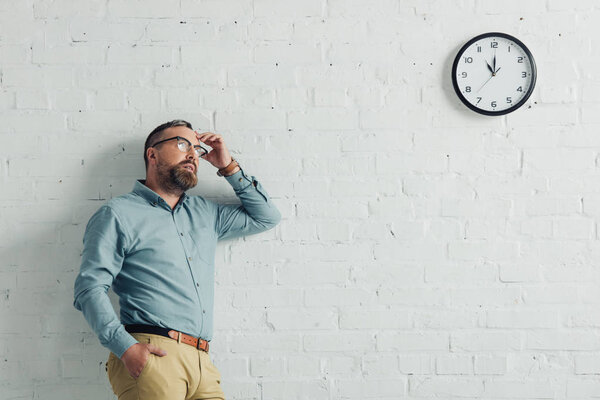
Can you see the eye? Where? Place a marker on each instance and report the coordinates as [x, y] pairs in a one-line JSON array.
[[182, 146]]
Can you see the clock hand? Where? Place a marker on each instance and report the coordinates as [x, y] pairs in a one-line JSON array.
[[490, 67], [485, 83], [495, 62]]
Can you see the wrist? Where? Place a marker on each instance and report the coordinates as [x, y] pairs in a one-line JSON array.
[[235, 170], [226, 165], [230, 169]]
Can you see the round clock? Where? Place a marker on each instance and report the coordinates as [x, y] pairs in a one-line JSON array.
[[494, 73]]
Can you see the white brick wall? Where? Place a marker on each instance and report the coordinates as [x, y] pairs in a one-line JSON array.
[[426, 252]]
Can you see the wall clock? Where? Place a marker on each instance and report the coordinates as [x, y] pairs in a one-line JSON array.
[[494, 73]]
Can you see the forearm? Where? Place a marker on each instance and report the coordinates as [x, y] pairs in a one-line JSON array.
[[254, 199], [100, 315]]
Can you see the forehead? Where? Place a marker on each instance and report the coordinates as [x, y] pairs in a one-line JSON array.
[[182, 131]]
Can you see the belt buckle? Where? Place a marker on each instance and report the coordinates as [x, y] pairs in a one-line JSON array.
[[203, 348]]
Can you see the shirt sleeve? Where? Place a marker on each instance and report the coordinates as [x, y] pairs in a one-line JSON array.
[[104, 249], [256, 214]]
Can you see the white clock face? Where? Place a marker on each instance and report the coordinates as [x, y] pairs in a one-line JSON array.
[[494, 74]]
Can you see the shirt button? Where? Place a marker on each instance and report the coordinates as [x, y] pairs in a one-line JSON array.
[[190, 258], [197, 285], [181, 233], [240, 179], [203, 311]]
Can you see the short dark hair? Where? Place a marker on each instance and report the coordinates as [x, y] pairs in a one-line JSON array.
[[155, 135]]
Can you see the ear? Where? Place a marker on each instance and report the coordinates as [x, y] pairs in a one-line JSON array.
[[151, 154]]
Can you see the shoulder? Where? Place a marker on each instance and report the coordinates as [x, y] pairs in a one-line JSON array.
[[116, 209], [123, 203]]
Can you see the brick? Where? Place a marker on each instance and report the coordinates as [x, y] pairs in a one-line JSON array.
[[256, 343], [454, 365], [310, 388], [376, 388], [141, 9], [587, 365], [446, 386], [520, 389], [486, 341], [374, 318], [525, 319], [412, 341], [273, 8], [286, 53], [214, 9], [564, 340], [74, 53], [266, 367], [226, 53], [338, 342], [490, 365]]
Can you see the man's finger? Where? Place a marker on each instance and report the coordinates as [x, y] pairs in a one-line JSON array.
[[156, 350]]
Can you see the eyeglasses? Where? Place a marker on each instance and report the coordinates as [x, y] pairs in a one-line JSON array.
[[184, 145]]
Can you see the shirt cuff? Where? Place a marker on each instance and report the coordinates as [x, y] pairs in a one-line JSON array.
[[239, 180], [121, 342]]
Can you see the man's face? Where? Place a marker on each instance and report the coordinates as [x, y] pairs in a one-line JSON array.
[[176, 170]]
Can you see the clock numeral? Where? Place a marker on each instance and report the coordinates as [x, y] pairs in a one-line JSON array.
[[468, 60], [479, 49], [509, 100], [523, 74], [468, 89], [464, 74], [520, 89], [478, 100], [520, 59], [509, 49], [493, 104], [494, 45]]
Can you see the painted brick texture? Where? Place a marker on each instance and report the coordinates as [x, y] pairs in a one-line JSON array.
[[425, 251]]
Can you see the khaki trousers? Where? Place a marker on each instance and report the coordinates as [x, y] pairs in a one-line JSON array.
[[185, 373]]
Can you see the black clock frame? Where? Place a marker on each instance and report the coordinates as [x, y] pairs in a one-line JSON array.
[[483, 36]]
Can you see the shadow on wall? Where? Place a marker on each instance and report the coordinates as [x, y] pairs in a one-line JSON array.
[[40, 259]]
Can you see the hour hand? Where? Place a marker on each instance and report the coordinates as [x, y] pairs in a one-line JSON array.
[[490, 67]]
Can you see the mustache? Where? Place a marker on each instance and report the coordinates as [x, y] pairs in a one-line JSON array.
[[183, 164]]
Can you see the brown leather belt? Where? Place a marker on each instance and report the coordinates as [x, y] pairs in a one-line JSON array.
[[181, 337]]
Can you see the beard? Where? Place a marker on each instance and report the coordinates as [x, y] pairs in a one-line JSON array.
[[176, 178]]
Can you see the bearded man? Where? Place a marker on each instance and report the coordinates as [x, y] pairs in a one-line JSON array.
[[155, 246]]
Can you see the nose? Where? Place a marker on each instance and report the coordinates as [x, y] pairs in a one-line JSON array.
[[192, 156]]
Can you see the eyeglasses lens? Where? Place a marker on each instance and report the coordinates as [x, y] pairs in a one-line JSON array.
[[185, 147]]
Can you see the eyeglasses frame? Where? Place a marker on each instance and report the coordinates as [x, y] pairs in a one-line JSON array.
[[182, 138]]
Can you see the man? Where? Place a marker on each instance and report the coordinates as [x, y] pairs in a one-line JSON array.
[[156, 246]]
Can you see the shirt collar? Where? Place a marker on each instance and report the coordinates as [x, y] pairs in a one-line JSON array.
[[151, 196]]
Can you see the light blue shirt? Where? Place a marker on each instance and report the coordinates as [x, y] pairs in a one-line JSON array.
[[160, 262]]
